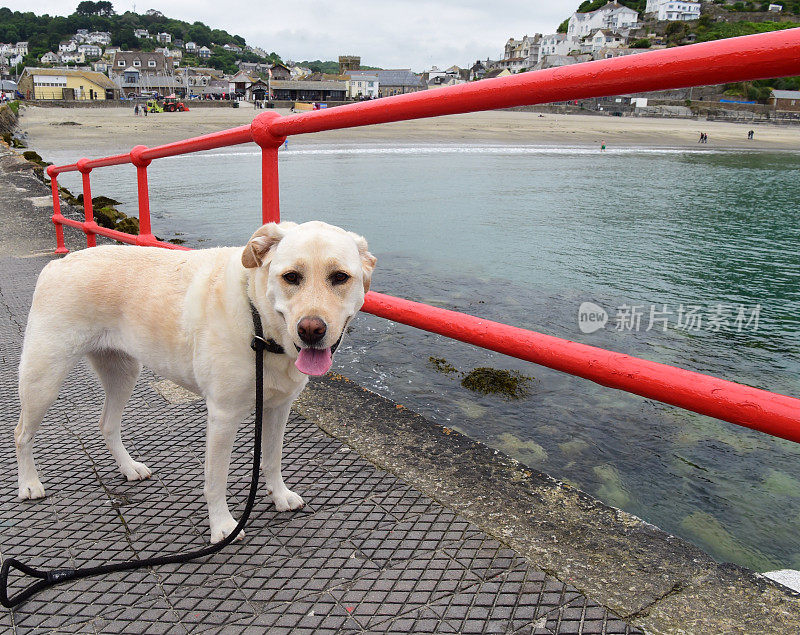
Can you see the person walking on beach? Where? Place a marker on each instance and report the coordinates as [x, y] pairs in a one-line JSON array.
[[602, 146], [144, 108], [751, 134], [136, 110]]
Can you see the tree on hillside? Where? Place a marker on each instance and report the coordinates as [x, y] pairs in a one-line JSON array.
[[95, 8], [125, 39]]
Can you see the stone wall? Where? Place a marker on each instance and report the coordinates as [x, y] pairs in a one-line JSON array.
[[8, 120]]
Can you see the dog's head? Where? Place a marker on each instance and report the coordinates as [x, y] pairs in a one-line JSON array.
[[316, 276]]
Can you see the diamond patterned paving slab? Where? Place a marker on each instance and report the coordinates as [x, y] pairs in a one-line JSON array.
[[368, 553]]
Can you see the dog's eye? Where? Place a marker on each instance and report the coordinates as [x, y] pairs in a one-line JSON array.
[[292, 277], [340, 277]]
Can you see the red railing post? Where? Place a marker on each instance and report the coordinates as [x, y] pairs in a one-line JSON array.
[[89, 225], [145, 230], [58, 217], [270, 184]]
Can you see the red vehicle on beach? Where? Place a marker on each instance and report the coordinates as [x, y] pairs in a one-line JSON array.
[[171, 104]]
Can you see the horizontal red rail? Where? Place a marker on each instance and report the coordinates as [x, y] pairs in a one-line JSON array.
[[768, 412], [746, 58]]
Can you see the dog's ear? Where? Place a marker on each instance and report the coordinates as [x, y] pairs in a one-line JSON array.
[[260, 243], [367, 259]]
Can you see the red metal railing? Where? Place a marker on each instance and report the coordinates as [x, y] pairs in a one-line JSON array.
[[747, 58]]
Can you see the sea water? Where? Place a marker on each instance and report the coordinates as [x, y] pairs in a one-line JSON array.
[[693, 256]]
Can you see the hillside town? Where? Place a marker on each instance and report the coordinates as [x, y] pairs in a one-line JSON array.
[[87, 66]]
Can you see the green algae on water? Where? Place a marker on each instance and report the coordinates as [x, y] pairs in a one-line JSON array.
[[487, 381], [441, 365]]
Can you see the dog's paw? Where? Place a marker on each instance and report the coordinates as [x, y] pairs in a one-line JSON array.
[[285, 500], [224, 529], [135, 471], [31, 490]]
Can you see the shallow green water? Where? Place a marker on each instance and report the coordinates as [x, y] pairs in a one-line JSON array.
[[524, 235]]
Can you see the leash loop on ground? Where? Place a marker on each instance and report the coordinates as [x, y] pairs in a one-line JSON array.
[[56, 576]]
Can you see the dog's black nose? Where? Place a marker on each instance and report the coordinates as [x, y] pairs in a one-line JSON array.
[[311, 330]]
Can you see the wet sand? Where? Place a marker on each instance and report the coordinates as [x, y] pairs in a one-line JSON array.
[[102, 131]]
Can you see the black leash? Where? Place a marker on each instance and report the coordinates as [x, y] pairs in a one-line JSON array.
[[55, 576]]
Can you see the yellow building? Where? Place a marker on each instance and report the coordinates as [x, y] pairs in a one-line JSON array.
[[59, 83]]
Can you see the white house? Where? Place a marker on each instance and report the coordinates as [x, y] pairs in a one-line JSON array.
[[204, 52], [602, 40], [613, 16], [521, 54], [362, 86], [673, 10], [558, 44], [67, 46], [775, 8], [256, 50], [190, 47], [99, 37], [49, 58], [90, 50], [142, 34], [21, 48], [298, 72], [232, 48], [73, 56], [448, 77], [164, 38]]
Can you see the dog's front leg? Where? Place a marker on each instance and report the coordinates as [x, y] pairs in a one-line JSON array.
[[222, 426], [271, 451]]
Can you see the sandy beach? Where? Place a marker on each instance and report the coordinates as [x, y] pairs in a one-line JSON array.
[[93, 132]]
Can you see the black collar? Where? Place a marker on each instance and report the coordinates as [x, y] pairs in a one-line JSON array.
[[259, 343]]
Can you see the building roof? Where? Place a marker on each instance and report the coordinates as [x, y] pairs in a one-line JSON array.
[[142, 55], [93, 76], [495, 72], [393, 77], [242, 76], [786, 94]]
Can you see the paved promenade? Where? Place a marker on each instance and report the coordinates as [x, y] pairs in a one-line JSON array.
[[368, 553]]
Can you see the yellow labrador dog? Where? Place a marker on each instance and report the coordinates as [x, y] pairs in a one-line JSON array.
[[187, 316]]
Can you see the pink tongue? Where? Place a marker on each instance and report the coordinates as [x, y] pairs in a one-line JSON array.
[[314, 361]]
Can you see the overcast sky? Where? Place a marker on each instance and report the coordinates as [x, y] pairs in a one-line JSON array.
[[398, 34]]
